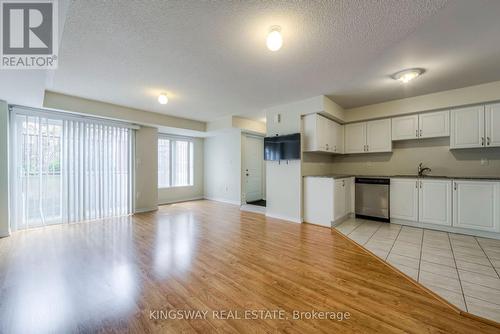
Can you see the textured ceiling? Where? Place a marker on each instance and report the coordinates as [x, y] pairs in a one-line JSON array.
[[210, 56]]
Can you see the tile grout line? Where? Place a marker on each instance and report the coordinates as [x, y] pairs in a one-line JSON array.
[[489, 260], [371, 236], [394, 242], [354, 229], [458, 274], [420, 257]]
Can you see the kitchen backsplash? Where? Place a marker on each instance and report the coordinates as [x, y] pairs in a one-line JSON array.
[[406, 155]]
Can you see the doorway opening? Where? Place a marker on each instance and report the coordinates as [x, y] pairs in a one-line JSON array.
[[253, 171]]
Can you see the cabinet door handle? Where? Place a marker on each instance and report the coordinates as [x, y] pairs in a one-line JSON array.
[[488, 141], [416, 184], [454, 186], [367, 148], [416, 133], [482, 141], [420, 132], [420, 184]]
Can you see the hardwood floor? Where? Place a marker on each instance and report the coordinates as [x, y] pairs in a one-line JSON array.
[[116, 275]]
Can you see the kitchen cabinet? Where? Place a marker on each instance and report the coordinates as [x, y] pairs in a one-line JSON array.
[[355, 138], [492, 125], [405, 127], [425, 125], [434, 124], [476, 205], [322, 134], [368, 137], [467, 127], [404, 199], [327, 200], [434, 201], [340, 199]]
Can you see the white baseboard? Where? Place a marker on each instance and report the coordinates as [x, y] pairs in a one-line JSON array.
[[223, 200], [452, 229], [182, 200], [290, 219], [145, 210], [253, 208]]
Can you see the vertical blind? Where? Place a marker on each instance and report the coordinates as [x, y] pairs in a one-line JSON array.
[[175, 162], [69, 169]]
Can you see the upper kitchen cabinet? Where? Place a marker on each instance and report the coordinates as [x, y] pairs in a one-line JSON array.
[[467, 127], [425, 125], [322, 134], [492, 125], [368, 137], [405, 127], [434, 124], [355, 138], [378, 136]]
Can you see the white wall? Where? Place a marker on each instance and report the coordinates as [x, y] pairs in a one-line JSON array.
[[178, 194], [284, 180], [146, 174], [441, 100], [223, 166], [109, 110], [4, 169]]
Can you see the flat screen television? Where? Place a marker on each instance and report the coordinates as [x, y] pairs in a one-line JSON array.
[[282, 147]]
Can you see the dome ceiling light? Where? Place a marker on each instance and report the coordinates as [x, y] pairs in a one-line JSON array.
[[407, 75]]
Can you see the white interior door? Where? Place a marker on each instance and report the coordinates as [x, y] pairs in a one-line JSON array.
[[253, 171]]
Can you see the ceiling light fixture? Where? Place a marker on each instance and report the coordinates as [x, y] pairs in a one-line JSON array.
[[274, 39], [408, 75], [162, 98]]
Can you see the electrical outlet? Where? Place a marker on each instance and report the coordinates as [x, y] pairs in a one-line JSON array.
[[484, 162]]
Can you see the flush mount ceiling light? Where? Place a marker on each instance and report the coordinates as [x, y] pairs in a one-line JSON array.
[[162, 98], [408, 75], [274, 40]]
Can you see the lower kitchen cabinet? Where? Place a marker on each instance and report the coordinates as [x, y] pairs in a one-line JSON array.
[[404, 199], [476, 205], [434, 201], [327, 200]]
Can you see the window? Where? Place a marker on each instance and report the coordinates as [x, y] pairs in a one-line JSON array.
[[68, 169], [175, 162]]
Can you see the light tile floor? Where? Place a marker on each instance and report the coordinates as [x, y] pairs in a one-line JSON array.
[[463, 269]]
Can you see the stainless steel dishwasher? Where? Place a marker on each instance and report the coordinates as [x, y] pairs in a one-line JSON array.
[[372, 198]]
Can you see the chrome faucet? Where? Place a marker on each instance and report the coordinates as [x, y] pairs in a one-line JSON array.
[[423, 170]]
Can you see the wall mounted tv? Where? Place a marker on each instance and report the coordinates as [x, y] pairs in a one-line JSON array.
[[282, 147]]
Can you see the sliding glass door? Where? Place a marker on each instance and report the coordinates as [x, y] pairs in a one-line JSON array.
[[68, 169]]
